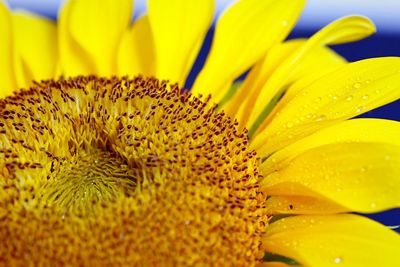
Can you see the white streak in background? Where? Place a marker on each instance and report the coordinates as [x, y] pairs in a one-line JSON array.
[[384, 13], [318, 13]]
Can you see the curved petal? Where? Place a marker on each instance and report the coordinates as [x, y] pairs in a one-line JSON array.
[[334, 240], [243, 34], [319, 59], [352, 89], [99, 45], [361, 177], [36, 48], [343, 30], [258, 75], [7, 79], [136, 51], [178, 27], [73, 59], [303, 205], [351, 131]]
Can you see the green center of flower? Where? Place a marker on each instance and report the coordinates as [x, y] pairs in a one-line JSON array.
[[87, 180]]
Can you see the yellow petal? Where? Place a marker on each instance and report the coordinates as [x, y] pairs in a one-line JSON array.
[[243, 34], [321, 58], [361, 177], [136, 51], [302, 205], [301, 83], [333, 240], [292, 91], [36, 48], [356, 130], [73, 59], [257, 77], [178, 27], [318, 60], [343, 30], [352, 89], [97, 28], [7, 79]]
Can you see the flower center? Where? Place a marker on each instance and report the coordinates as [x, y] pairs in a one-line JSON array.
[[87, 180], [133, 168]]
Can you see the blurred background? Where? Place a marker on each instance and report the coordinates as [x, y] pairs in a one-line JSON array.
[[318, 13]]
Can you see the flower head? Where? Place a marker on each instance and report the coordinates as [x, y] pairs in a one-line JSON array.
[[133, 170]]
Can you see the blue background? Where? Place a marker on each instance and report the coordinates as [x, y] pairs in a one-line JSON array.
[[385, 13]]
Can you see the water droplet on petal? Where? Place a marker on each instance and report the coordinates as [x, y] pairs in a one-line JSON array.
[[349, 98], [360, 108], [338, 260], [372, 205], [318, 99], [364, 97], [284, 23], [320, 118], [289, 125], [357, 85]]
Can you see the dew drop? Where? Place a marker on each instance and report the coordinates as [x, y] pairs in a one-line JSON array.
[[289, 125], [364, 97], [334, 97], [372, 205], [360, 108], [357, 85], [318, 99], [321, 118], [284, 23], [349, 98], [338, 260]]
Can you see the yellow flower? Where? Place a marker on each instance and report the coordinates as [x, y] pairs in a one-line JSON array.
[[132, 171]]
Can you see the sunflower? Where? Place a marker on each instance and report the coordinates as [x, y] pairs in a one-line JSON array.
[[107, 161]]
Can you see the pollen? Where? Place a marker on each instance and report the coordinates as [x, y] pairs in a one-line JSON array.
[[125, 172]]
